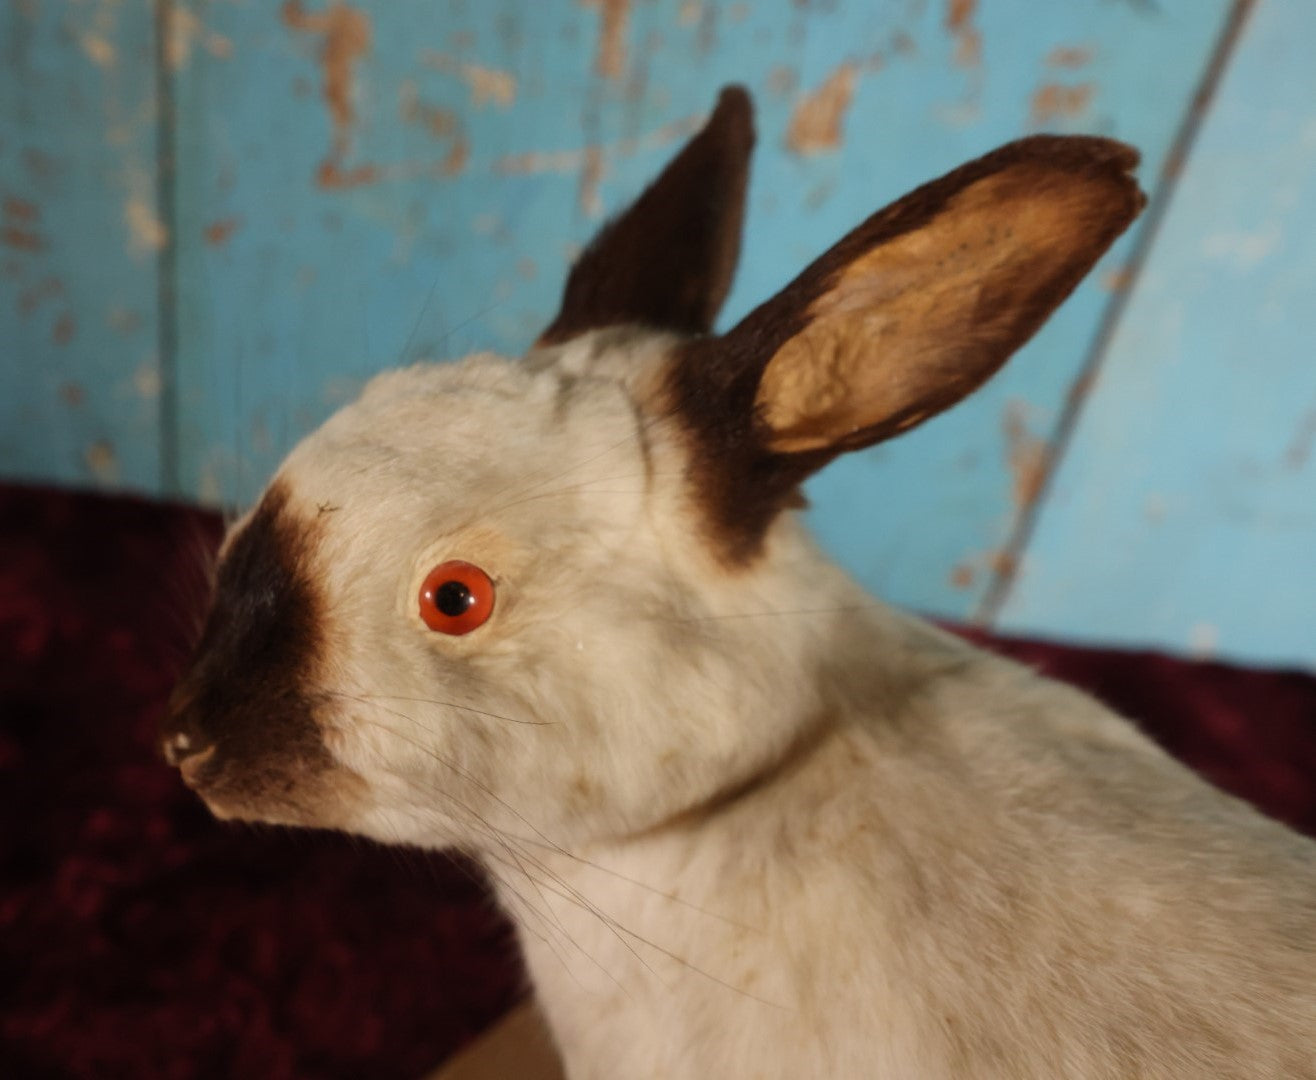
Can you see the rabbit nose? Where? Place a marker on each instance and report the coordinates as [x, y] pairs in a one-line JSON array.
[[189, 754], [180, 745], [183, 742]]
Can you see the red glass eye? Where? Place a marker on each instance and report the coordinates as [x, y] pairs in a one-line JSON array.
[[456, 598]]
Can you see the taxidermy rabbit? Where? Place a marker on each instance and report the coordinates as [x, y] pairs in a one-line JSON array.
[[558, 612]]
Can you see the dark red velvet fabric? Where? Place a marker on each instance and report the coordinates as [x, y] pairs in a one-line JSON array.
[[140, 938]]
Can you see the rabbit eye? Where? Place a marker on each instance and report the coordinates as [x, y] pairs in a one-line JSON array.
[[456, 598]]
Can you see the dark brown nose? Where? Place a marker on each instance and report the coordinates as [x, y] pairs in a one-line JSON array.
[[185, 747], [182, 740], [179, 745]]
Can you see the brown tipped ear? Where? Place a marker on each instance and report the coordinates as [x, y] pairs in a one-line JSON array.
[[667, 262], [904, 317]]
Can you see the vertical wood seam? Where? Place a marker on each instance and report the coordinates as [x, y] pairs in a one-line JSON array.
[[998, 592], [167, 257]]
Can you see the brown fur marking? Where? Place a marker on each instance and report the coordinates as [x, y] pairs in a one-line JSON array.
[[964, 270], [668, 261], [249, 698]]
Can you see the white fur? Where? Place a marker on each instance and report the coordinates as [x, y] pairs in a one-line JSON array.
[[750, 823]]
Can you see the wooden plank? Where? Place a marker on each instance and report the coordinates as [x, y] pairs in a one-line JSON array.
[[364, 183], [1184, 513], [79, 239]]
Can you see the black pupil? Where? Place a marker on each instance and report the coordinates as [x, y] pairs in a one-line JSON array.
[[453, 598]]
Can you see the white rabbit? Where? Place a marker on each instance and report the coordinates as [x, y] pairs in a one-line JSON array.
[[558, 612]]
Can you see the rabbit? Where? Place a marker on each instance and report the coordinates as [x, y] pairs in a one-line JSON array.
[[561, 613]]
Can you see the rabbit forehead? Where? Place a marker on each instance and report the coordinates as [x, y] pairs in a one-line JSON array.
[[533, 453], [433, 431]]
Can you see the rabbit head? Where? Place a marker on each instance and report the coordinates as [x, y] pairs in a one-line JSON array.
[[523, 594]]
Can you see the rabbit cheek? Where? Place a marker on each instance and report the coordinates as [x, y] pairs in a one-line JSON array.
[[242, 727]]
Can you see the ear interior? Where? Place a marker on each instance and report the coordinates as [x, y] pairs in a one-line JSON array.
[[919, 320], [902, 318], [668, 261]]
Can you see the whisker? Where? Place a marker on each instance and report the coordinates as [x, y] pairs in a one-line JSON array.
[[672, 956], [483, 827], [582, 901], [580, 948], [572, 894], [484, 788], [490, 830], [631, 437], [770, 612], [366, 699], [641, 885], [585, 487]]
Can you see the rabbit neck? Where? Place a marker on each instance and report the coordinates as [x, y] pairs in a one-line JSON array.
[[699, 922], [686, 916]]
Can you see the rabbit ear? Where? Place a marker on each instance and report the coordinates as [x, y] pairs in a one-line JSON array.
[[904, 317], [667, 262]]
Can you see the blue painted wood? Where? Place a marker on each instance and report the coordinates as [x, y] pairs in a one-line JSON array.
[[1184, 514], [384, 181], [363, 184], [80, 378]]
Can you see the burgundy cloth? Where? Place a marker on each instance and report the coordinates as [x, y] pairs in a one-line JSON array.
[[140, 938]]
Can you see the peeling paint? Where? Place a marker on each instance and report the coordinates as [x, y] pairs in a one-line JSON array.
[[46, 289], [569, 161], [100, 51], [17, 209], [1054, 102], [22, 239], [1117, 278], [102, 462], [486, 84], [1003, 563], [209, 488], [183, 30], [147, 382], [1203, 640], [815, 125], [18, 232], [591, 174], [967, 39], [64, 328], [614, 20], [1069, 56], [1082, 386], [217, 233], [331, 176], [96, 40], [439, 122], [40, 165], [457, 157], [1244, 249], [1026, 455], [146, 232], [346, 33], [124, 320]]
